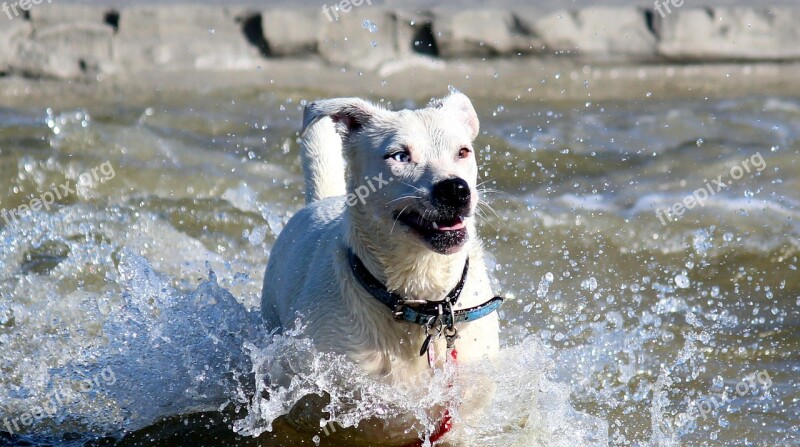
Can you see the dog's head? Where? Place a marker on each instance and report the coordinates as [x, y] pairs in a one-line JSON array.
[[412, 173]]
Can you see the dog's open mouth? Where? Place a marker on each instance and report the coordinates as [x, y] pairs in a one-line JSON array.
[[445, 235]]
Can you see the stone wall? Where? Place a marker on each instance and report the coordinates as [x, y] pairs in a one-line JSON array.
[[73, 41]]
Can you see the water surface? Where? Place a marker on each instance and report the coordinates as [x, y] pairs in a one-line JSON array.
[[621, 324]]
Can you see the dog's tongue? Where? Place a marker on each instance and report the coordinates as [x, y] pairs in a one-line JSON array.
[[455, 224]]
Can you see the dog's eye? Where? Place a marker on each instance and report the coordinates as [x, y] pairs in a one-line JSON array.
[[464, 152], [402, 157]]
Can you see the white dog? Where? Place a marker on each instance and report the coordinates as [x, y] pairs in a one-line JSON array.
[[385, 258]]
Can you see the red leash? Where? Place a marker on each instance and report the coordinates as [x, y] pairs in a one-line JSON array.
[[447, 421]]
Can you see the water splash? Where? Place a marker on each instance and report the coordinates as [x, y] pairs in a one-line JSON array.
[[369, 25]]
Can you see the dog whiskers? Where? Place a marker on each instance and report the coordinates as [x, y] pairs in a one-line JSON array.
[[397, 218], [403, 198], [482, 203], [480, 214], [420, 190], [486, 204]]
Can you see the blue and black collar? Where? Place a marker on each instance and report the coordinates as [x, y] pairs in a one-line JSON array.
[[429, 314]]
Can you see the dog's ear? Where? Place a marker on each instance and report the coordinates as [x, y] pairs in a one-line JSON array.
[[348, 114], [459, 104]]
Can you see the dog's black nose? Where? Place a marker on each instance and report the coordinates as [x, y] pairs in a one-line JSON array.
[[452, 194]]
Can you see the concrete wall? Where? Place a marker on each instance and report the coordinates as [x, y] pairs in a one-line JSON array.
[[64, 40]]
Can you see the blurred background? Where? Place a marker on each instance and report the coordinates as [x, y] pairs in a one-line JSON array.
[[149, 159]]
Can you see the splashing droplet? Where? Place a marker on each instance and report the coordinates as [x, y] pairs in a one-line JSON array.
[[589, 284], [682, 281], [369, 26]]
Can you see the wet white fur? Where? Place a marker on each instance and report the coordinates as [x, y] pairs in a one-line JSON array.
[[308, 276]]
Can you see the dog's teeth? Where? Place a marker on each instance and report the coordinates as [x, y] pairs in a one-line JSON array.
[[435, 227]]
